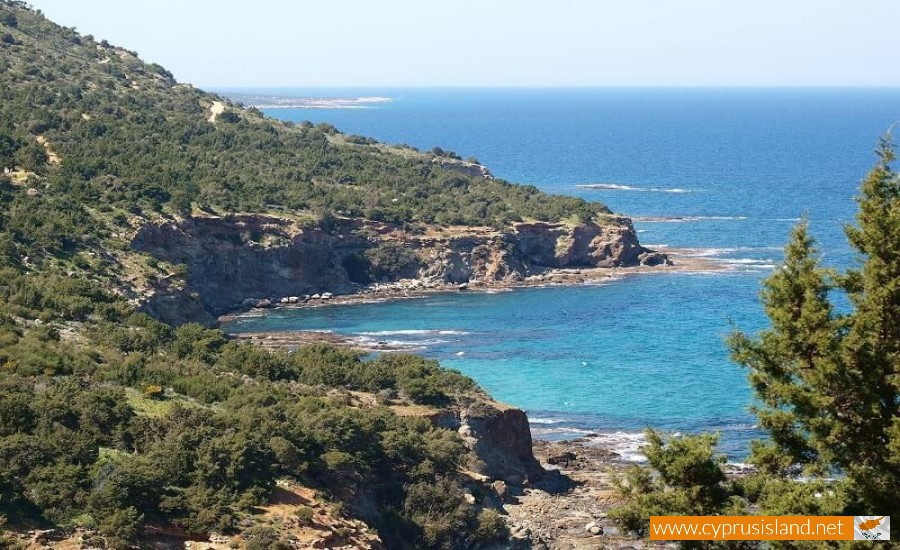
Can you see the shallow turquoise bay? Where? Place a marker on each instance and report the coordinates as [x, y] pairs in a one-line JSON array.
[[734, 169]]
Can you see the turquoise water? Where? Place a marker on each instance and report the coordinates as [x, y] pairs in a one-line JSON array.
[[724, 171]]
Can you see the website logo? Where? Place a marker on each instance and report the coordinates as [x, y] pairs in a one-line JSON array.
[[871, 528]]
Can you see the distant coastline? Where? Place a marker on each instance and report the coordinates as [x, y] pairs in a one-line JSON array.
[[285, 102]]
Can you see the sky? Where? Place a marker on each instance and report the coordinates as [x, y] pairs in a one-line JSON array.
[[368, 43]]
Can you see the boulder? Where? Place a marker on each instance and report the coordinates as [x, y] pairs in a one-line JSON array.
[[501, 489], [49, 535], [562, 459]]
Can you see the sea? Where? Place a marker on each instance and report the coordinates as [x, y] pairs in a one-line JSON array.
[[724, 172]]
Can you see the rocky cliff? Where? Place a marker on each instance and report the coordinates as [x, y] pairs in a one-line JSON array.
[[501, 440], [238, 261]]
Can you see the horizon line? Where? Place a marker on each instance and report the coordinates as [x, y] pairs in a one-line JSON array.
[[556, 86]]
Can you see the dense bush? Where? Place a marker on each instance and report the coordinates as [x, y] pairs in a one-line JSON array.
[[144, 423]]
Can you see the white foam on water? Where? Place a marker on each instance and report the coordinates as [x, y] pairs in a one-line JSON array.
[[707, 252], [625, 444], [415, 332], [685, 219], [562, 430], [745, 261], [405, 343], [539, 420], [621, 187]]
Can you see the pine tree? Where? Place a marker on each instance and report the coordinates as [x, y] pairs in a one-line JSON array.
[[867, 444], [790, 363], [828, 384]]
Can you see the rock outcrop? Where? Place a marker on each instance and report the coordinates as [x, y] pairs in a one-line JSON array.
[[241, 261], [462, 167], [613, 244], [502, 442], [499, 437]]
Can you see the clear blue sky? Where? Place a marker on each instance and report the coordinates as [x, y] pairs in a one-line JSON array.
[[503, 42]]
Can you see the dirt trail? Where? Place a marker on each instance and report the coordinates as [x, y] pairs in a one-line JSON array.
[[52, 157], [216, 109]]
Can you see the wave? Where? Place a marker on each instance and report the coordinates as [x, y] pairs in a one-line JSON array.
[[745, 261], [539, 420], [414, 332], [720, 251], [684, 219], [752, 264], [403, 343], [714, 252], [561, 432], [625, 444], [619, 187], [406, 346]]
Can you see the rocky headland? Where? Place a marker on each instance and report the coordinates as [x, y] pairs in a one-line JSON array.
[[238, 262]]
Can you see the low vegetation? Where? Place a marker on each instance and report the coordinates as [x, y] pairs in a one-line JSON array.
[[127, 421], [113, 421]]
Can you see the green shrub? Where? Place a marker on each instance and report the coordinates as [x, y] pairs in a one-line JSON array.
[[490, 527], [121, 527], [305, 515], [690, 482]]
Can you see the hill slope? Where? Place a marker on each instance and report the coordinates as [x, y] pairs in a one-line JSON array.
[[98, 145], [123, 191]]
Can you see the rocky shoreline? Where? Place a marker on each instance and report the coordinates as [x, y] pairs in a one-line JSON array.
[[570, 511], [681, 261], [568, 507], [221, 264]]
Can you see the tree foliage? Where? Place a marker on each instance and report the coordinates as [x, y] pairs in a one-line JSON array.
[[691, 482], [829, 381]]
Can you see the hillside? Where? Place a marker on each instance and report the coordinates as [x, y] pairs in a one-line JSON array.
[[130, 206], [97, 145]]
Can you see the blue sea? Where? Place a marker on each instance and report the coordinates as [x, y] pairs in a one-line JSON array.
[[726, 172]]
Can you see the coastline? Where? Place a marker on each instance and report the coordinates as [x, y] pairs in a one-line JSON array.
[[571, 510], [683, 260], [569, 507]]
